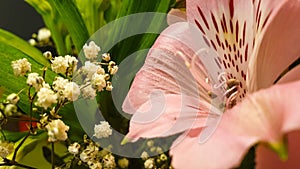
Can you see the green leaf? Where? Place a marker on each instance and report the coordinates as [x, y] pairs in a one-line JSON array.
[[52, 21], [29, 144], [12, 83], [14, 136], [23, 46], [73, 21]]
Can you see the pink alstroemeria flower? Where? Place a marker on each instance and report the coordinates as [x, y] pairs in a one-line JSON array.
[[226, 61]]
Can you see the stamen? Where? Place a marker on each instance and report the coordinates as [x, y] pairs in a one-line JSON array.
[[228, 89]]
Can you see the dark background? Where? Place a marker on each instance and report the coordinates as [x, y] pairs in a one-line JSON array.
[[19, 18]]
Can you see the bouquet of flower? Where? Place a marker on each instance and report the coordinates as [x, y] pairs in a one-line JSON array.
[[153, 84]]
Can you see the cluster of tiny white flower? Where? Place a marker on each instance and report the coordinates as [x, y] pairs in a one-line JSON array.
[[63, 89], [65, 65], [21, 67], [96, 77], [6, 148], [102, 130], [57, 130], [157, 160], [95, 157]]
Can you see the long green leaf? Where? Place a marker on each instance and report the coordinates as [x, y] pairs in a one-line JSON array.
[[22, 45], [72, 19], [52, 21]]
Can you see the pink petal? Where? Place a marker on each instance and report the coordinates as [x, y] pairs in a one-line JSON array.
[[176, 15], [171, 87], [266, 158], [291, 75], [166, 115], [228, 26], [264, 116], [277, 46], [167, 68]]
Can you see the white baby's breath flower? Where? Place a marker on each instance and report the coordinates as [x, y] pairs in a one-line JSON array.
[[109, 161], [71, 91], [123, 163], [149, 164], [46, 97], [98, 81], [90, 69], [59, 64], [21, 67], [113, 70], [109, 86], [32, 42], [57, 131], [35, 80], [88, 92], [91, 50], [106, 57], [100, 71], [102, 130], [47, 55], [43, 34], [95, 165], [74, 148], [10, 109], [13, 98], [6, 148], [89, 153], [144, 155], [72, 61], [59, 84]]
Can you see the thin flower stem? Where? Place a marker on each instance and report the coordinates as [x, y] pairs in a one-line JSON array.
[[3, 135], [52, 155], [30, 121], [8, 162], [18, 147]]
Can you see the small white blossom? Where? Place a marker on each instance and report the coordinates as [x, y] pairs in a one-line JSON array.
[[74, 148], [21, 67], [109, 161], [88, 92], [91, 50], [106, 57], [59, 84], [112, 67], [13, 98], [99, 81], [44, 34], [95, 165], [144, 155], [46, 97], [149, 164], [71, 91], [35, 80], [89, 153], [90, 69], [47, 55], [109, 86], [100, 71], [72, 61], [32, 42], [6, 148], [102, 130], [59, 64], [113, 70], [57, 131], [10, 109], [123, 163]]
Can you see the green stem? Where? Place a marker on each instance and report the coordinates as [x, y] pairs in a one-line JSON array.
[[3, 134], [52, 155], [18, 147]]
